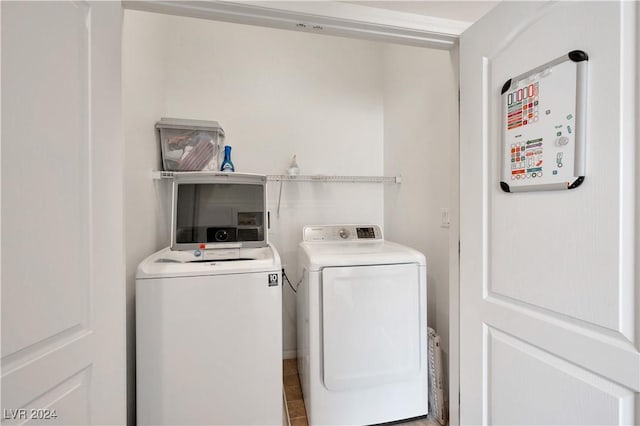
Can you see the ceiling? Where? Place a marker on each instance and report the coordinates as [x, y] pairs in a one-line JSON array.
[[468, 11]]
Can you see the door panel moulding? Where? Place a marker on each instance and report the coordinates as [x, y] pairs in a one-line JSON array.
[[328, 18]]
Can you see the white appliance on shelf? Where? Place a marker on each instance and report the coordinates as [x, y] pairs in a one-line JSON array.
[[209, 319], [362, 327]]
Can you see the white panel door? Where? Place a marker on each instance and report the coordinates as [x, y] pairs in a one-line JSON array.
[[549, 324], [63, 354]]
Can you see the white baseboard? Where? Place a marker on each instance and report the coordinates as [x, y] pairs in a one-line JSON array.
[[286, 420], [289, 354]]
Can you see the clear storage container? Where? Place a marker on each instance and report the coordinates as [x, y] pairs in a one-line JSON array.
[[190, 145]]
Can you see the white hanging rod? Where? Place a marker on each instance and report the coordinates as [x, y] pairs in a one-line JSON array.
[[334, 178]]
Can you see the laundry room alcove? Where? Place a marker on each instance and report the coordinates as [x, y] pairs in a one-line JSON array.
[[346, 107]]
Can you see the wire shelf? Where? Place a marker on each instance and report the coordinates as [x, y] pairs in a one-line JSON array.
[[299, 178], [334, 178]]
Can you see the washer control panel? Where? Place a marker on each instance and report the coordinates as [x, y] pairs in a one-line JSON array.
[[342, 233]]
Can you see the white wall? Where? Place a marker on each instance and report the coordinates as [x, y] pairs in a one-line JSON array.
[[279, 93], [146, 219], [420, 128]]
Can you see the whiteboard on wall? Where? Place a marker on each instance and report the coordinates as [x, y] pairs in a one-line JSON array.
[[543, 126]]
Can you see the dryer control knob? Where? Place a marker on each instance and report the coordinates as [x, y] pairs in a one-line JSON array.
[[344, 233]]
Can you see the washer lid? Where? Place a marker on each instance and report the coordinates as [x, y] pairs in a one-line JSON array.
[[173, 264], [318, 255]]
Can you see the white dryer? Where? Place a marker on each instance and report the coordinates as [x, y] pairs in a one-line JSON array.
[[362, 327]]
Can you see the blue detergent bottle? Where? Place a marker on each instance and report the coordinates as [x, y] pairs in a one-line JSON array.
[[227, 165]]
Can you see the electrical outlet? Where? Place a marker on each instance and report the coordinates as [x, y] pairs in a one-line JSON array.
[[445, 221]]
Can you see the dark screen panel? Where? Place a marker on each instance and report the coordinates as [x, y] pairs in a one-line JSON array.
[[219, 212]]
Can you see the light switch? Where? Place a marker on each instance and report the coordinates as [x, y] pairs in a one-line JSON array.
[[445, 221]]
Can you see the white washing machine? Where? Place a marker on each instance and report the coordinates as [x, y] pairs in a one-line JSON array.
[[362, 327], [209, 310], [209, 339]]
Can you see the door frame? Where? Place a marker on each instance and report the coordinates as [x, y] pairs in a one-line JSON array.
[[360, 22], [326, 17]]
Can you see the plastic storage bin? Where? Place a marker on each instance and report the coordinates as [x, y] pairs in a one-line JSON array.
[[190, 145]]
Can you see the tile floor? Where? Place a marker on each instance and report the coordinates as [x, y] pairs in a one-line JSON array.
[[295, 403], [293, 393]]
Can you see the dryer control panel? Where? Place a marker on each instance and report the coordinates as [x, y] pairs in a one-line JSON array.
[[342, 233]]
